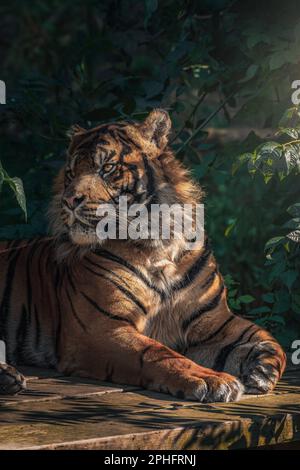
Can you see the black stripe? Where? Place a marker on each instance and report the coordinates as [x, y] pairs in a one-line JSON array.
[[123, 289], [104, 312], [187, 279], [28, 275], [265, 375], [37, 329], [212, 304], [13, 248], [195, 269], [221, 358], [212, 335], [79, 321], [126, 150], [253, 334], [259, 353], [6, 299], [209, 280], [215, 333], [116, 259], [40, 260], [125, 139], [57, 327], [21, 334], [102, 142], [109, 271], [69, 277], [142, 354]]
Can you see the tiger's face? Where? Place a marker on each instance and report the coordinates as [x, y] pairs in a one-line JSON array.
[[103, 164]]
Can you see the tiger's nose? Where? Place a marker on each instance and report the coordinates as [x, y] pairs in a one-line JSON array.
[[72, 202]]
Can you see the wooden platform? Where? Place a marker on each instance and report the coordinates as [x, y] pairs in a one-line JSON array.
[[68, 413]]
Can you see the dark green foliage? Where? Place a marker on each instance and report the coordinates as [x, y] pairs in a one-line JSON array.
[[214, 64]]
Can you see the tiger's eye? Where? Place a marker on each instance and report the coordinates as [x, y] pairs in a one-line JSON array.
[[107, 169]]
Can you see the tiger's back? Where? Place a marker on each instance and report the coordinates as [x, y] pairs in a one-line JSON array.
[[28, 307]]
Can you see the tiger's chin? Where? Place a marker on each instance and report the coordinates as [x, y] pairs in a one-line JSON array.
[[83, 237], [73, 244]]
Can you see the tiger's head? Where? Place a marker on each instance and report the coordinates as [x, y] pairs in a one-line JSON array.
[[113, 160]]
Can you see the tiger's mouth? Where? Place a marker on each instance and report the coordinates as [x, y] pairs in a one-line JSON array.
[[81, 229], [78, 217], [82, 234]]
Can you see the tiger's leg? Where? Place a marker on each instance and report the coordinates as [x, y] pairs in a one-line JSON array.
[[11, 381], [131, 358], [245, 350]]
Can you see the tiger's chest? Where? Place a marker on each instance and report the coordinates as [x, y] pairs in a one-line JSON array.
[[164, 320]]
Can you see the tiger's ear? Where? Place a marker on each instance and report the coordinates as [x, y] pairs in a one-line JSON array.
[[74, 134], [75, 130], [156, 128]]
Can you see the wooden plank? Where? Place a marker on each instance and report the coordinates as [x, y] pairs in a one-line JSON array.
[[290, 382], [35, 373], [61, 387], [144, 420], [227, 435]]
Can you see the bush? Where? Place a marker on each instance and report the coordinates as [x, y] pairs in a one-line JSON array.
[[212, 64]]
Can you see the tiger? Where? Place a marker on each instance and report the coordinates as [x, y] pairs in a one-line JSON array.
[[145, 313]]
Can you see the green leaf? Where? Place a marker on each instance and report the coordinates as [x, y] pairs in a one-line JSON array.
[[241, 160], [17, 186], [246, 299], [273, 242], [291, 132], [232, 293], [229, 281], [268, 160], [294, 210], [235, 304], [293, 223], [267, 178], [288, 115], [292, 157], [258, 310], [277, 319], [230, 228], [251, 72]]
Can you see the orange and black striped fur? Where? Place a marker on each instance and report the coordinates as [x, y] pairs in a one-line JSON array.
[[151, 314]]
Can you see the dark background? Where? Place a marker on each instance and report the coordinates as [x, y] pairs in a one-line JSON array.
[[223, 69]]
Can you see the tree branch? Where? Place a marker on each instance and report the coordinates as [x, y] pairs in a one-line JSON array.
[[199, 128]]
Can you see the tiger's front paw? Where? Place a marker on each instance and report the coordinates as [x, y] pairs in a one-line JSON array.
[[11, 381], [222, 388], [263, 369], [259, 381]]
